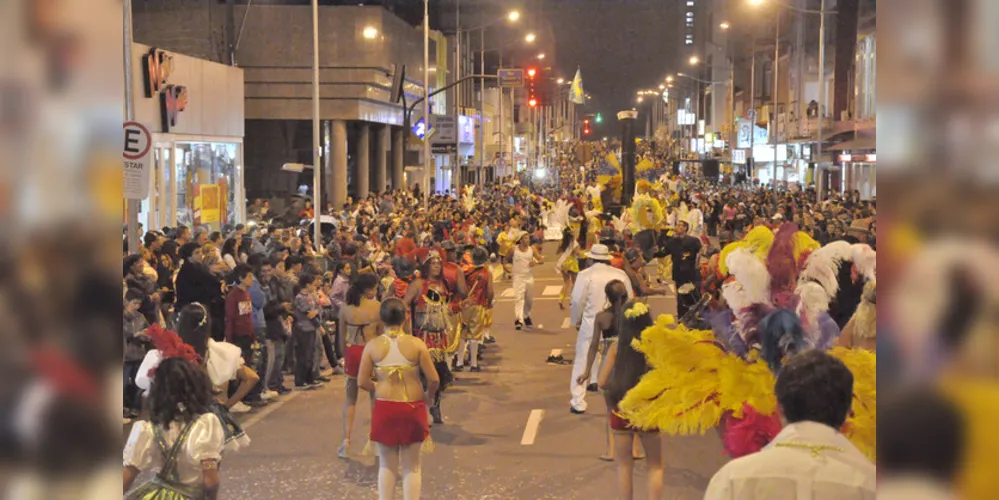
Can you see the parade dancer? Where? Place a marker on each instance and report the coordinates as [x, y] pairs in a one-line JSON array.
[[399, 424], [476, 310], [567, 264], [522, 259], [588, 300], [428, 298], [359, 323]]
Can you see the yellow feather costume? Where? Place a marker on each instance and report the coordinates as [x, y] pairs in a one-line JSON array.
[[693, 382]]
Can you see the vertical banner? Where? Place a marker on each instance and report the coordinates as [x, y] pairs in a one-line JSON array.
[[211, 203]]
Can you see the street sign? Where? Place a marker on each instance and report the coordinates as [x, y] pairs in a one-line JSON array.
[[447, 129], [509, 78], [443, 149], [136, 158]]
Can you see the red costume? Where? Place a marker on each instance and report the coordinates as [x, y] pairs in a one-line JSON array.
[[395, 423]]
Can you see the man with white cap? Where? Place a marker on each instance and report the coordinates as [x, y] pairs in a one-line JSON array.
[[588, 299]]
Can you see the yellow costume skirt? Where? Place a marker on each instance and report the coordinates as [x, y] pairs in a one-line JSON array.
[[475, 320]]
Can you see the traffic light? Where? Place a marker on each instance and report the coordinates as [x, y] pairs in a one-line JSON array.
[[586, 131], [532, 97], [599, 118]]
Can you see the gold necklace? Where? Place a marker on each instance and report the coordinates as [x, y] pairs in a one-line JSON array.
[[814, 448], [395, 332]]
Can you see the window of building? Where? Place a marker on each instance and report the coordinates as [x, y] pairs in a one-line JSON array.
[[690, 42], [690, 3]]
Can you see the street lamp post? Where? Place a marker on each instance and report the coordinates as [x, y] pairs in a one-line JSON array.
[[426, 103]]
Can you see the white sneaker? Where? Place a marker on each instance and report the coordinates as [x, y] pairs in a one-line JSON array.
[[268, 395], [239, 408], [342, 450]]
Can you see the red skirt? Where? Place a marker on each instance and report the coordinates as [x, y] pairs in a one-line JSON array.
[[618, 423], [436, 341], [352, 360], [395, 423]]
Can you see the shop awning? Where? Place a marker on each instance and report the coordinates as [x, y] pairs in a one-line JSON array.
[[858, 144]]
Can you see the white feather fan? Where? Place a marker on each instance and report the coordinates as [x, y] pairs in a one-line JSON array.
[[752, 275]]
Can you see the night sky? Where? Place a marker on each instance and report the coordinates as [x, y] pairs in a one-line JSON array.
[[621, 46]]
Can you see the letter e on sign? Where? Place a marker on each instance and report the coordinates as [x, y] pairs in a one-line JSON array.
[[136, 159]]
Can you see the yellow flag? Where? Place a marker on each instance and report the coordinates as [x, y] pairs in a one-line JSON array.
[[576, 94]]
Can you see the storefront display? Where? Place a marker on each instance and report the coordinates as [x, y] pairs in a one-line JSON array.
[[194, 109]]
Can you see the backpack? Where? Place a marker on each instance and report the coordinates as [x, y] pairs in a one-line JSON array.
[[166, 485]]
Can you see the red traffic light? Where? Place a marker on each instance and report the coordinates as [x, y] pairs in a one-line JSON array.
[[531, 72], [586, 131], [532, 102]]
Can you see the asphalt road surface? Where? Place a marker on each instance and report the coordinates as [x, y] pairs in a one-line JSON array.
[[489, 448]]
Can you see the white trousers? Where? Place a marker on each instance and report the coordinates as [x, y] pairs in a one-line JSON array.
[[578, 391], [523, 296]]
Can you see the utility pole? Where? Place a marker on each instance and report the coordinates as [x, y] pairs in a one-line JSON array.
[[482, 108], [819, 172], [456, 169], [317, 199], [427, 164], [132, 233], [776, 121]]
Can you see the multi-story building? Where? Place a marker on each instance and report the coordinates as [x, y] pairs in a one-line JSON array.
[[759, 88], [362, 137]]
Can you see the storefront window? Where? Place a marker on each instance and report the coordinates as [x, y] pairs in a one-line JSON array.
[[207, 183]]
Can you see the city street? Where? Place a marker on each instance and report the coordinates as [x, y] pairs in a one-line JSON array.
[[488, 447]]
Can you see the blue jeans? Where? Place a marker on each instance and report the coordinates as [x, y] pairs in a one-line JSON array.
[[277, 349]]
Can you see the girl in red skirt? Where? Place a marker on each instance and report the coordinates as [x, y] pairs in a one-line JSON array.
[[622, 370], [390, 368], [358, 323]]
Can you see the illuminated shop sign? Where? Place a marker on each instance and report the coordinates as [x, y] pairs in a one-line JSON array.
[[157, 66]]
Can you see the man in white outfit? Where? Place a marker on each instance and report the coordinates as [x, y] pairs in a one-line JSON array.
[[523, 258], [588, 299]]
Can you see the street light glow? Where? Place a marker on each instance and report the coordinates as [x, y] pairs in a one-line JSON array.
[[662, 87], [541, 55], [560, 81], [370, 32], [513, 16], [530, 38], [694, 60], [725, 25], [756, 2], [640, 99], [669, 79]]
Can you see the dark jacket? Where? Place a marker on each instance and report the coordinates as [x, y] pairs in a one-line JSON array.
[[195, 283]]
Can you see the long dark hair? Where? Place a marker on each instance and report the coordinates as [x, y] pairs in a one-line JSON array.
[[629, 365], [361, 284], [566, 240], [180, 392], [194, 327], [617, 297], [229, 248]]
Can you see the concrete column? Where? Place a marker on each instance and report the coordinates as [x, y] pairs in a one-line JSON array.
[[382, 140], [398, 151], [338, 154], [362, 176]]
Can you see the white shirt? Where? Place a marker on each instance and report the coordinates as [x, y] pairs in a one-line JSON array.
[[696, 220], [789, 473], [522, 262], [588, 297]]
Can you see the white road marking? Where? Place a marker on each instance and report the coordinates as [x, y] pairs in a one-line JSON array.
[[508, 293], [552, 291], [271, 408], [565, 324], [531, 430]]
